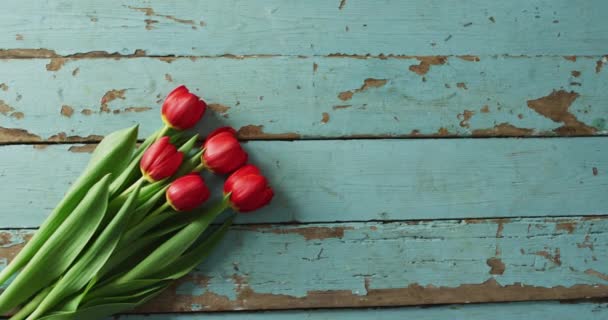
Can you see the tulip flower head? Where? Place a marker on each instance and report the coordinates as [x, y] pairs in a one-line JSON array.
[[248, 189], [223, 152], [161, 160], [187, 192], [182, 109]]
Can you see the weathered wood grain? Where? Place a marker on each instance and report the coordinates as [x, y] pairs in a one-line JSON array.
[[291, 98], [260, 267], [355, 180], [503, 311], [312, 27]]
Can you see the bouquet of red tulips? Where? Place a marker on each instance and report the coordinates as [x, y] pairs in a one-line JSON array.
[[134, 222]]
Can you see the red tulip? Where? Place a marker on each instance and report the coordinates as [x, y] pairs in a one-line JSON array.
[[248, 189], [187, 192], [182, 109], [161, 160], [223, 152]]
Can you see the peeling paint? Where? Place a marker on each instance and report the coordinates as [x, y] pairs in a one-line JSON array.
[[315, 66], [342, 4], [575, 73], [367, 84], [464, 118], [66, 111], [325, 117], [63, 137], [85, 148], [5, 109], [3, 87], [149, 12], [566, 226], [485, 109], [346, 106], [503, 130], [309, 233], [555, 258], [413, 294], [56, 64], [462, 85], [594, 171], [17, 115], [469, 58], [75, 71], [497, 267], [555, 107], [600, 64], [598, 274], [168, 77], [425, 64], [17, 135], [218, 108], [87, 112], [255, 132], [570, 58], [136, 109], [110, 96]]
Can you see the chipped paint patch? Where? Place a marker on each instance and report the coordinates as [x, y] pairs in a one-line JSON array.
[[462, 85], [555, 107], [17, 115], [63, 137], [85, 148], [309, 233], [555, 258], [168, 77], [575, 73], [464, 118], [218, 108], [149, 12], [346, 106], [325, 117], [597, 274], [17, 135], [136, 109], [56, 64], [3, 87], [342, 4], [566, 226], [469, 58], [485, 109], [256, 132], [66, 111], [75, 71], [367, 84], [600, 64], [426, 62], [5, 109], [503, 129], [570, 58], [110, 96], [497, 267]]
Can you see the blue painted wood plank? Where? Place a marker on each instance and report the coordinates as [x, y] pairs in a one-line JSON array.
[[289, 98], [315, 27], [348, 180], [391, 264], [504, 311]]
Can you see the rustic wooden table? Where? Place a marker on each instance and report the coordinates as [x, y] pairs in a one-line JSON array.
[[375, 121]]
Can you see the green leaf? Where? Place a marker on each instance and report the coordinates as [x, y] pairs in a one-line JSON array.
[[195, 256], [110, 156], [105, 307], [31, 305], [91, 261], [132, 172], [60, 249], [173, 248]]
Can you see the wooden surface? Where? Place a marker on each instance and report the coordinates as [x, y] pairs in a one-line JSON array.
[[379, 122]]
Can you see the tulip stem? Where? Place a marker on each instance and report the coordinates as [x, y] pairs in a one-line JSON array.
[[160, 209], [163, 131], [199, 168], [132, 187]]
